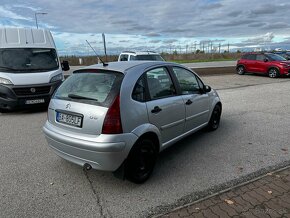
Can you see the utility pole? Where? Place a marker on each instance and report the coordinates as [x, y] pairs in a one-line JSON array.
[[35, 14], [228, 47]]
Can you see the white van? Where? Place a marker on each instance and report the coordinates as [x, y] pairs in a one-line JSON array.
[[30, 70]]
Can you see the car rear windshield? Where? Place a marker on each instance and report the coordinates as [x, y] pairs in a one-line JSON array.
[[97, 87], [21, 60], [147, 58]]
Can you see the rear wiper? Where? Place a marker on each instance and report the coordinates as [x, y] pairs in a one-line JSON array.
[[81, 97]]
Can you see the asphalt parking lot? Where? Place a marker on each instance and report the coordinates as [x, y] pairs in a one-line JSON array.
[[253, 139]]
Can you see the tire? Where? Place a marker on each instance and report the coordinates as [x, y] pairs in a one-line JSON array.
[[214, 121], [141, 161], [241, 70], [273, 73]]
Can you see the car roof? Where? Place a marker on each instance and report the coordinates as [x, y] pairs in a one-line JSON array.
[[259, 53], [140, 52], [124, 66]]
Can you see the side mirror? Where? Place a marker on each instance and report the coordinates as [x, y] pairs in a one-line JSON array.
[[266, 59], [65, 66], [207, 88]]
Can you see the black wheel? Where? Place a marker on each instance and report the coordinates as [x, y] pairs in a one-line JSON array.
[[214, 121], [140, 162], [241, 70], [273, 73]]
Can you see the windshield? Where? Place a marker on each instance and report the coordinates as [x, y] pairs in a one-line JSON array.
[[275, 57], [19, 60], [147, 58], [91, 87]]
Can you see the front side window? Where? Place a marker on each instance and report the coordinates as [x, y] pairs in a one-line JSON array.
[[187, 81], [98, 88], [159, 83], [20, 60], [249, 57]]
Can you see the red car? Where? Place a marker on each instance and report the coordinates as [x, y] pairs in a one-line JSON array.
[[270, 64]]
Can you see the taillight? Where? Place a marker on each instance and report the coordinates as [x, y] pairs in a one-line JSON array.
[[112, 123]]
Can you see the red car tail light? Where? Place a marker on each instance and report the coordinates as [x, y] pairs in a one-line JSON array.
[[112, 123]]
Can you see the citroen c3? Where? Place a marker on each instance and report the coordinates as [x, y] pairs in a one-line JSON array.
[[117, 117]]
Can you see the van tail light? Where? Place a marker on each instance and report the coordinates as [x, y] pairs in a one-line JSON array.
[[112, 123]]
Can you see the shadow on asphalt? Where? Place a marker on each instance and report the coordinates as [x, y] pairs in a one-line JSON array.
[[24, 111]]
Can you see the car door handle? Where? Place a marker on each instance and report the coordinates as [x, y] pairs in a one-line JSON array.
[[189, 102], [156, 110]]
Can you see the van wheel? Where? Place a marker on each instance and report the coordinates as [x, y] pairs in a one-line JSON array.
[[214, 121], [241, 70], [141, 161], [273, 73]]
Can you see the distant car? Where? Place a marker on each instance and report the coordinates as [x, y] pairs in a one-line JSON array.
[[140, 56], [270, 64], [119, 117]]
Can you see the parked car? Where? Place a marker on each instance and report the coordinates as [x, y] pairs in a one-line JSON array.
[[119, 117], [140, 56], [30, 70], [270, 64]]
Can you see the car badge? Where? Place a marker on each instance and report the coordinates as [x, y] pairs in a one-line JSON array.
[[68, 106], [33, 90]]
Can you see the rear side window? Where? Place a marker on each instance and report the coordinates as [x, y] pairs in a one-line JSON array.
[[98, 88], [249, 57], [139, 90]]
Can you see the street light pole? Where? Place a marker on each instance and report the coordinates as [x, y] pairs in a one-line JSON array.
[[35, 14]]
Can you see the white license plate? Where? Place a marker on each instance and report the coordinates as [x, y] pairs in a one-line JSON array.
[[69, 119], [35, 101]]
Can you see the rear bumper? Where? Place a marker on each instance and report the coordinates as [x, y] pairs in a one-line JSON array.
[[10, 100], [101, 152]]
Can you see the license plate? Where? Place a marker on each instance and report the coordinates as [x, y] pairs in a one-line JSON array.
[[69, 119], [35, 101]]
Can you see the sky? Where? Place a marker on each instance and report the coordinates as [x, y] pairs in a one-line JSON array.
[[159, 25]]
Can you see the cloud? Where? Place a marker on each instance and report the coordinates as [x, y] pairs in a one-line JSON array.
[[168, 41], [277, 25], [152, 34], [7, 13], [155, 41], [264, 9], [136, 22], [258, 40], [212, 6]]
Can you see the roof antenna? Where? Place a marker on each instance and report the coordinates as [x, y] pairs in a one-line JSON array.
[[104, 64]]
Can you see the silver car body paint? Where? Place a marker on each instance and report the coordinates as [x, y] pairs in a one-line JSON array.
[[107, 152]]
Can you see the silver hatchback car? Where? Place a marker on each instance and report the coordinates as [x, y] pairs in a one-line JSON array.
[[120, 116]]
